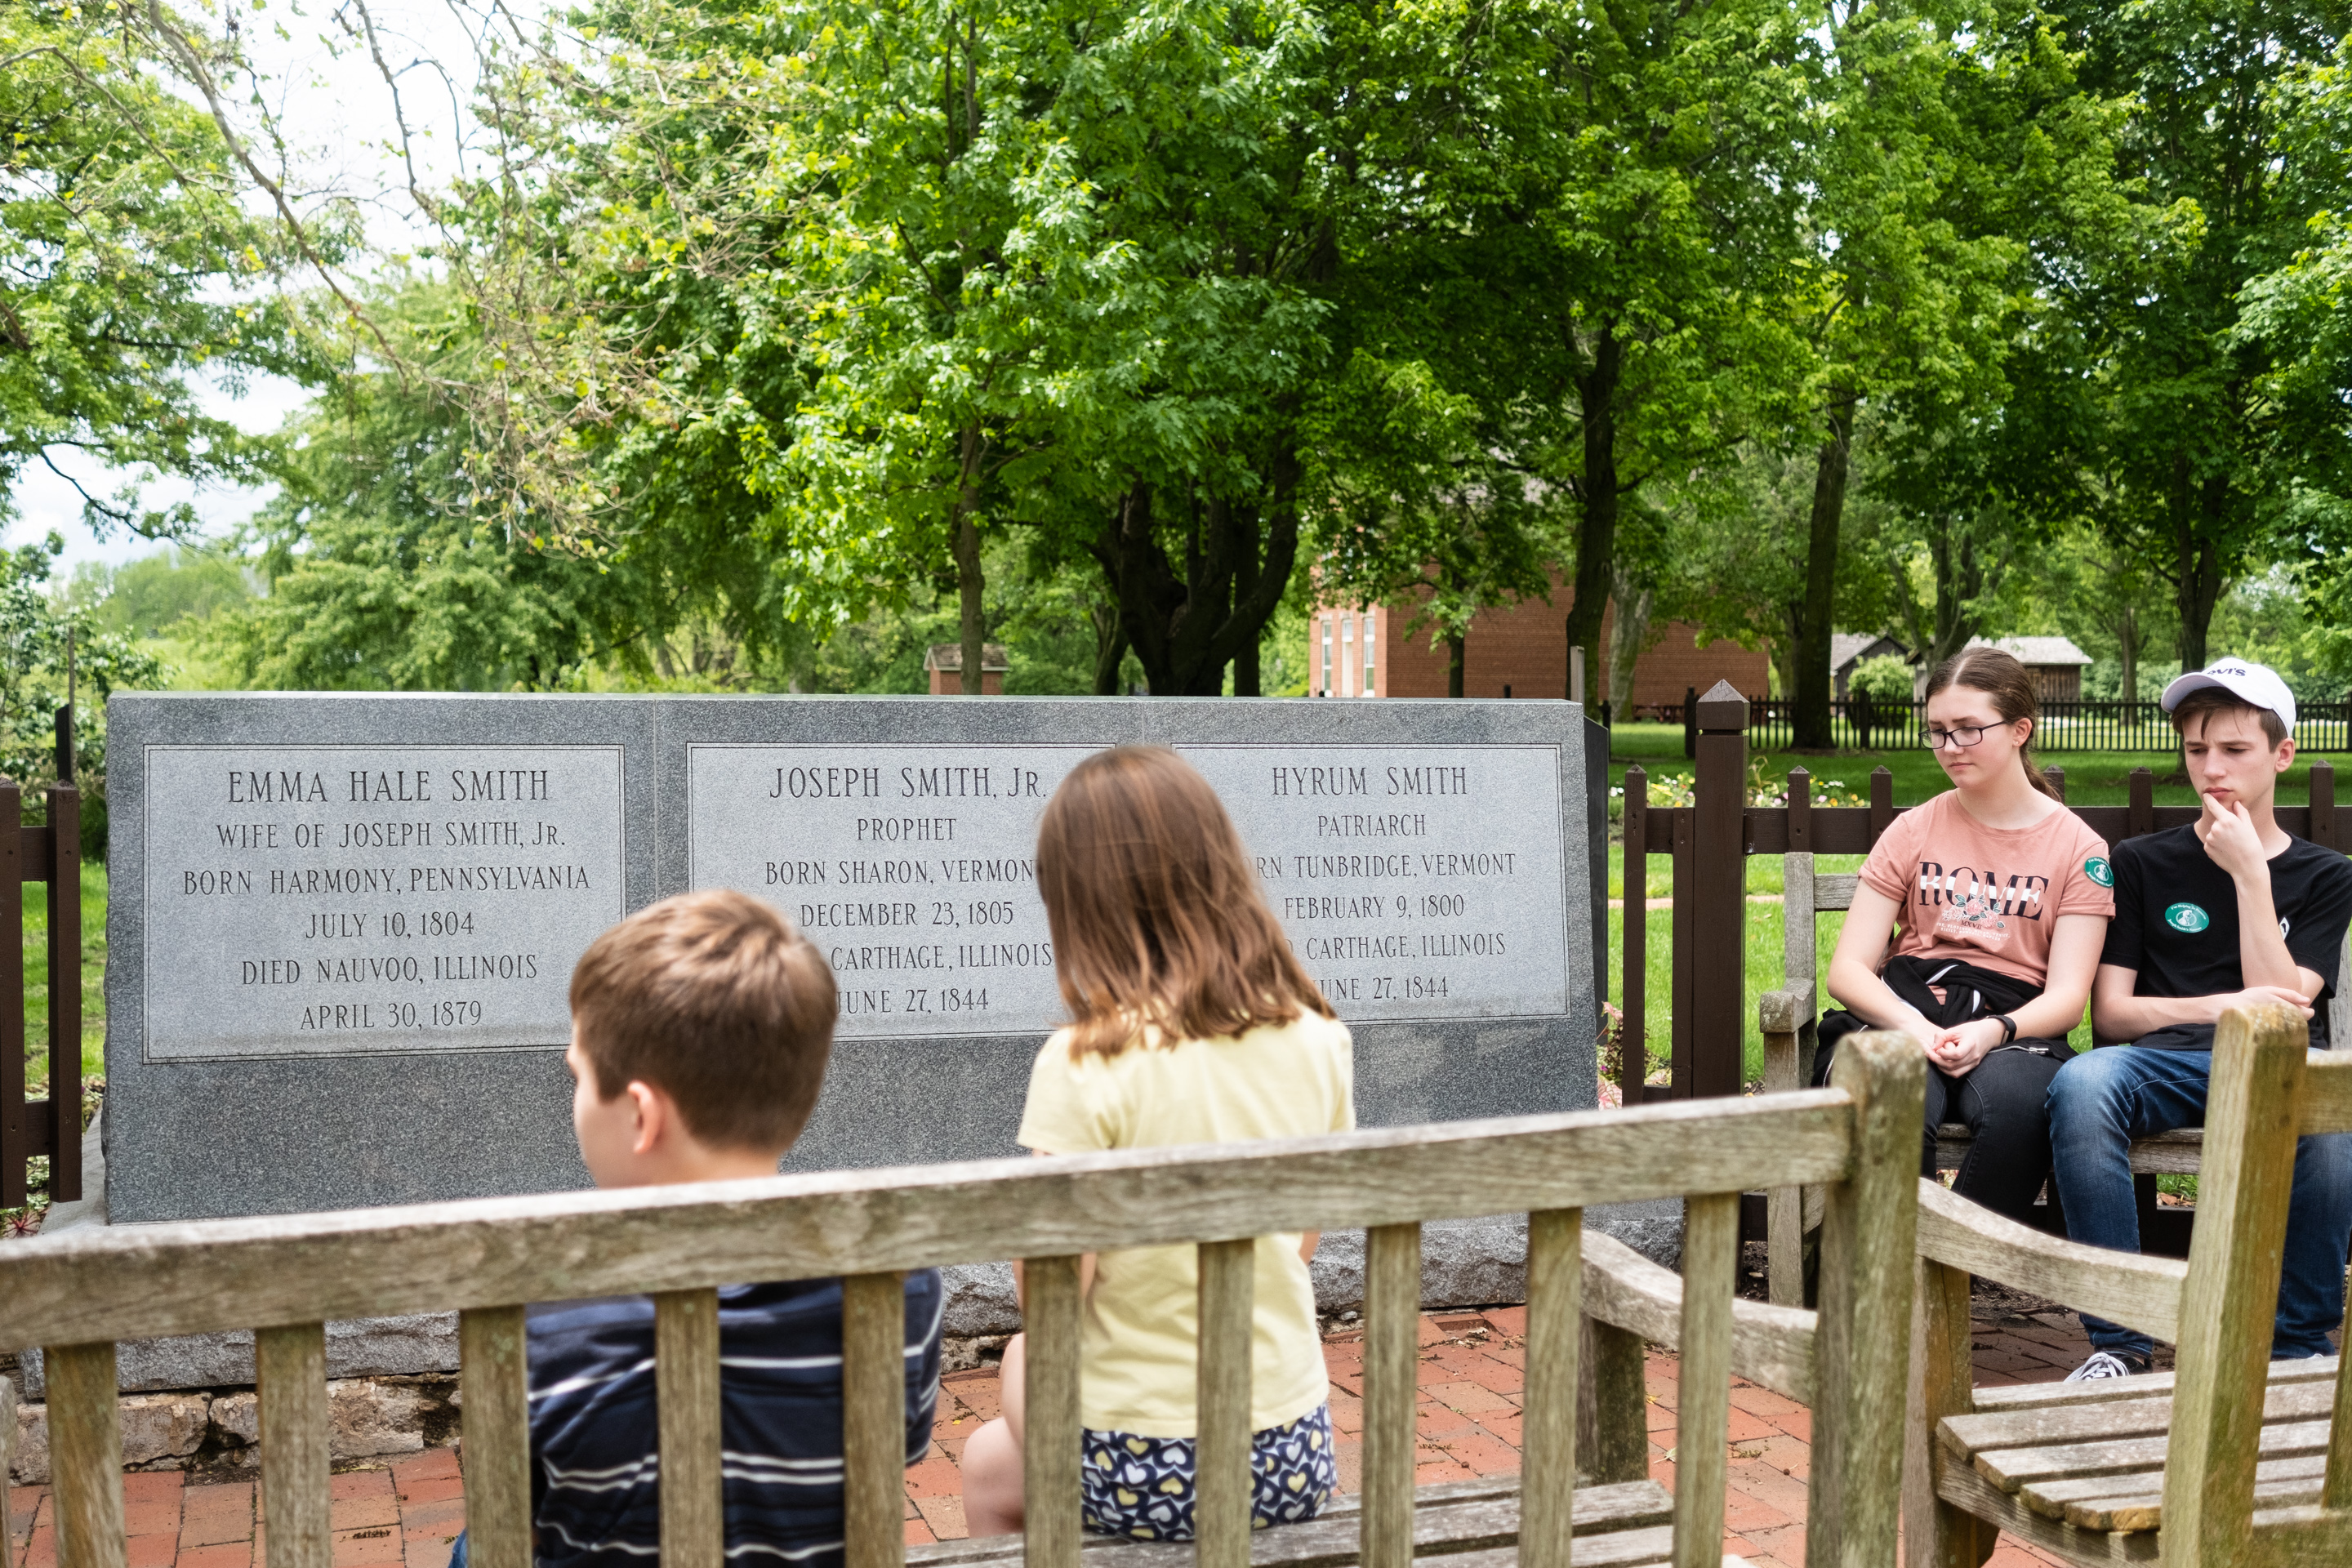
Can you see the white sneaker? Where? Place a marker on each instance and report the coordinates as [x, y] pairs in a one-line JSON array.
[[2103, 1363]]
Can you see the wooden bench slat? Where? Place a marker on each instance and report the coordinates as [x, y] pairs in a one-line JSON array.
[[2179, 1152], [2138, 1293], [2048, 1498], [1452, 1517], [2143, 1509], [2302, 1537], [1964, 1488], [1967, 1435], [1391, 1373], [2338, 1492], [1703, 1406], [7, 1458], [873, 1420], [1613, 1424], [1547, 1431], [494, 1381], [2008, 1468], [2034, 1396], [1649, 1548], [687, 1426], [1052, 1444], [289, 1367], [85, 1456], [1771, 1345], [1222, 1480], [2146, 1511], [2328, 1092], [97, 1283], [1834, 890]]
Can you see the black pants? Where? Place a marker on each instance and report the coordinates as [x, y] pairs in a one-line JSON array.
[[2001, 1102]]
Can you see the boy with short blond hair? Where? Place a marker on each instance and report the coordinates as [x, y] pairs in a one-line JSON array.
[[700, 1030]]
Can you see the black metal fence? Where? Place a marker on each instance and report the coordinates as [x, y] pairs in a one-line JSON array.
[[1863, 724]]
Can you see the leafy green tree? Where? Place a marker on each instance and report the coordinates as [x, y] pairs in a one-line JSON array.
[[148, 597], [129, 265], [53, 652], [2192, 473], [390, 569], [1570, 217], [1417, 510], [1939, 130], [2300, 317]]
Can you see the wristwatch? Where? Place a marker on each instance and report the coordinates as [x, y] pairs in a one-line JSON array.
[[2008, 1027]]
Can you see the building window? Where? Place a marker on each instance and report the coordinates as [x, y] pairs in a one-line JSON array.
[[1370, 690], [1326, 656], [1347, 655]]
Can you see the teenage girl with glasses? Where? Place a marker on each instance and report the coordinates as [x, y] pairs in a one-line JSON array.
[[1976, 929]]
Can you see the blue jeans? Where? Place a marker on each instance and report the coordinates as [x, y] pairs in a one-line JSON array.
[[2102, 1099]]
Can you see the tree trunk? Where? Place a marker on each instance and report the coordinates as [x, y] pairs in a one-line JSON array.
[[1952, 556], [1247, 682], [1110, 648], [1453, 652], [2128, 641], [1596, 549], [969, 581], [1184, 630], [2197, 557], [1810, 716], [1627, 636]]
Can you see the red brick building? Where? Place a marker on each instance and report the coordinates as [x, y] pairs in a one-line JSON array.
[[943, 661], [1518, 651]]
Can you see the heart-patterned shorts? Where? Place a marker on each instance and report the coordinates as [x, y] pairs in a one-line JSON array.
[[1142, 1486]]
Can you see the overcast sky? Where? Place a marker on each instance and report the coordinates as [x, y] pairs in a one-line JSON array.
[[337, 114]]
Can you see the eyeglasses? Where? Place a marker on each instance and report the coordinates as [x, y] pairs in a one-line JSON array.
[[1965, 735]]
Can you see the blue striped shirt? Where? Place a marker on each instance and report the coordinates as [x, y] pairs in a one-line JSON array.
[[595, 1469]]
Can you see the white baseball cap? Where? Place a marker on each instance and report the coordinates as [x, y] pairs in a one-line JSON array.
[[2257, 683]]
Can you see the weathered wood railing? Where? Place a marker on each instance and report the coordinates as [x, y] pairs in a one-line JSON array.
[[286, 1277]]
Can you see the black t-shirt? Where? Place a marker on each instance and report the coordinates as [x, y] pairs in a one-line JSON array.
[[2177, 922]]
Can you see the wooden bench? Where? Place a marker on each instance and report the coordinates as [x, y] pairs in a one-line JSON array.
[[1590, 1304], [2230, 1459]]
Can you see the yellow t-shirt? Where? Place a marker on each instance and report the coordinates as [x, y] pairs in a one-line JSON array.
[[1137, 1364]]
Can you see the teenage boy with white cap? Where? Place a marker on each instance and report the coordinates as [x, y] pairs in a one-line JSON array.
[[2227, 910]]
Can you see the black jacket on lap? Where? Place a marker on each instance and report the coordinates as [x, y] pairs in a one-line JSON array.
[[1970, 991]]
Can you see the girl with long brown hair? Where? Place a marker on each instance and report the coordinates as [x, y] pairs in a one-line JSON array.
[[1192, 1022], [1976, 929]]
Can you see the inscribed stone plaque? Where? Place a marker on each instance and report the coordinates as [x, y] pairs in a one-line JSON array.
[[1413, 881], [1404, 875], [912, 868], [339, 901]]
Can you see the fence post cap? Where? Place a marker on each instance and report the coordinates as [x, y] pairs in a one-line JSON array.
[[1724, 707]]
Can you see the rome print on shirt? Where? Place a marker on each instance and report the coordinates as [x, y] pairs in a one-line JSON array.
[[1971, 904]]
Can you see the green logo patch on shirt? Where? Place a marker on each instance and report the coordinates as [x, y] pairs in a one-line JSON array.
[[2099, 871], [2187, 917]]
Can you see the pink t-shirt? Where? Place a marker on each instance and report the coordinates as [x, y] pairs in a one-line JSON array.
[[1988, 895]]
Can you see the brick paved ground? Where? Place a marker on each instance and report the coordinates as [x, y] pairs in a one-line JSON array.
[[1471, 1368]]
